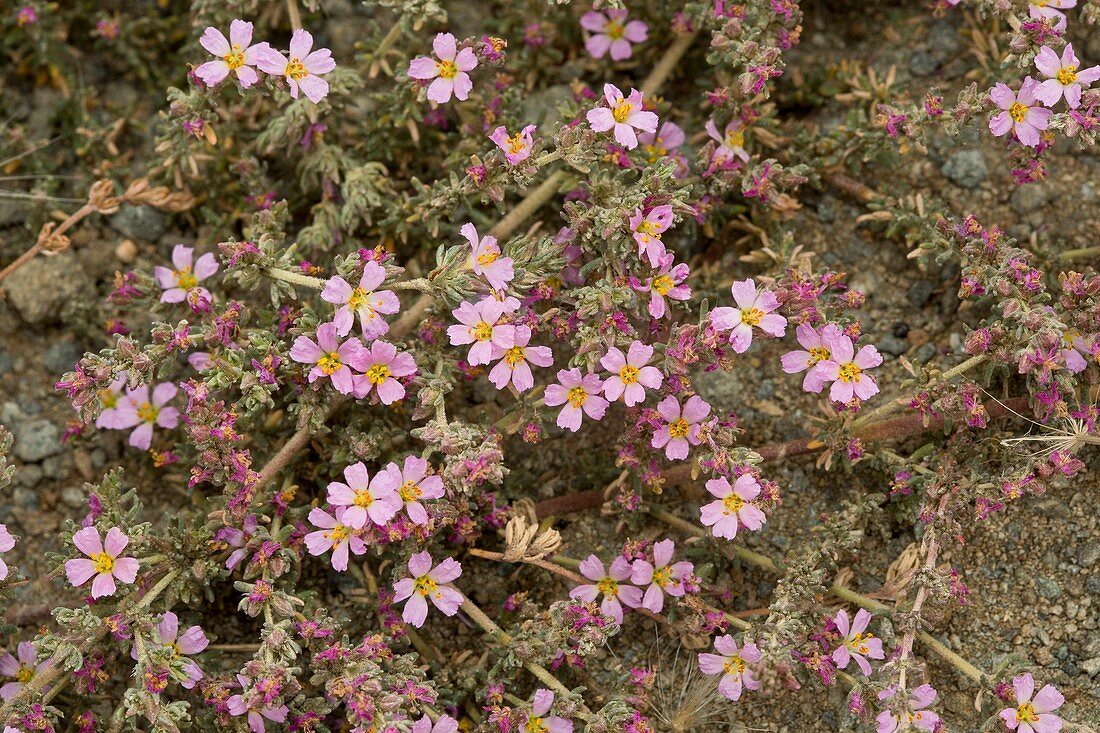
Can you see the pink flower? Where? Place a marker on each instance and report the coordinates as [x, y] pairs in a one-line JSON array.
[[445, 724], [1021, 112], [1063, 78], [330, 357], [449, 71], [629, 374], [816, 350], [513, 365], [733, 507], [679, 431], [108, 400], [731, 662], [622, 115], [426, 582], [23, 669], [365, 498], [754, 309], [537, 721], [731, 144], [237, 55], [667, 283], [647, 231], [486, 260], [381, 364], [365, 301], [858, 643], [578, 394], [414, 485], [334, 533], [516, 148], [1033, 714], [1075, 351], [612, 32], [237, 706], [1051, 10], [182, 283], [103, 561], [137, 411], [917, 715], [191, 641], [478, 325], [303, 69], [610, 584], [7, 542], [662, 576], [844, 368], [664, 141]]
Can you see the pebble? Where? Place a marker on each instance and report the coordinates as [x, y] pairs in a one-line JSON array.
[[7, 362], [40, 289], [1091, 667], [61, 356], [126, 251], [920, 292], [1088, 553], [966, 168], [893, 345], [1029, 197], [1048, 587], [140, 222], [923, 63], [35, 440], [73, 497]]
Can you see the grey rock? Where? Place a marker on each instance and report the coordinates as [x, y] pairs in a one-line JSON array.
[[7, 362], [893, 345], [35, 440], [1092, 584], [943, 40], [1029, 197], [24, 498], [9, 413], [542, 107], [923, 64], [40, 289], [1088, 554], [58, 466], [1091, 667], [140, 222], [827, 210], [1048, 588], [920, 292], [61, 356], [28, 477], [73, 497], [1088, 192], [925, 353], [966, 168]]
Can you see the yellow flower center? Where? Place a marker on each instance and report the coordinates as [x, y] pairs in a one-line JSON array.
[[858, 643], [1068, 337], [817, 353], [296, 69], [648, 227], [516, 144], [447, 69], [409, 491], [850, 372], [751, 316], [107, 398], [482, 331], [656, 151], [534, 724], [1017, 112], [24, 674], [186, 279], [358, 299], [608, 587], [330, 363], [614, 30], [679, 429], [103, 562], [489, 256], [339, 533], [622, 111], [732, 503], [1026, 713], [147, 413], [378, 373], [1067, 75], [513, 356], [235, 58], [662, 576], [425, 585], [662, 284], [734, 665], [577, 396], [628, 374], [735, 139], [363, 499]]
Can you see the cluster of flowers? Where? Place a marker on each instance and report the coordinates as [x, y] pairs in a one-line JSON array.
[[660, 577]]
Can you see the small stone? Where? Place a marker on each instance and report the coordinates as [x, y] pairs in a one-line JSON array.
[[893, 345], [920, 292], [966, 168], [28, 477], [1048, 588], [40, 289], [925, 353], [7, 362], [1091, 667], [24, 498], [73, 497], [923, 63], [35, 440], [1029, 197], [1088, 553], [61, 356], [141, 222], [126, 251]]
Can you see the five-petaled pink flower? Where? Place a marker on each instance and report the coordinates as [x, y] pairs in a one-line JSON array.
[[21, 667], [662, 576], [304, 67], [365, 301], [7, 542], [731, 144], [364, 497], [136, 410], [1051, 10], [192, 641], [449, 72], [330, 357], [579, 393], [667, 282], [538, 721], [623, 115], [425, 582], [414, 485], [611, 584], [513, 365], [647, 230], [485, 258], [1063, 77], [845, 368], [917, 714], [102, 561], [612, 31], [629, 374], [754, 310], [1033, 714], [334, 533], [254, 708], [732, 663], [478, 325], [665, 141], [858, 643], [381, 364], [680, 429], [237, 55], [733, 507], [814, 351], [182, 283], [1021, 113], [516, 148], [445, 724]]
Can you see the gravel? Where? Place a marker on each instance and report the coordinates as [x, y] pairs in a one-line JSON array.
[[966, 168], [1030, 197], [35, 440], [140, 222]]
